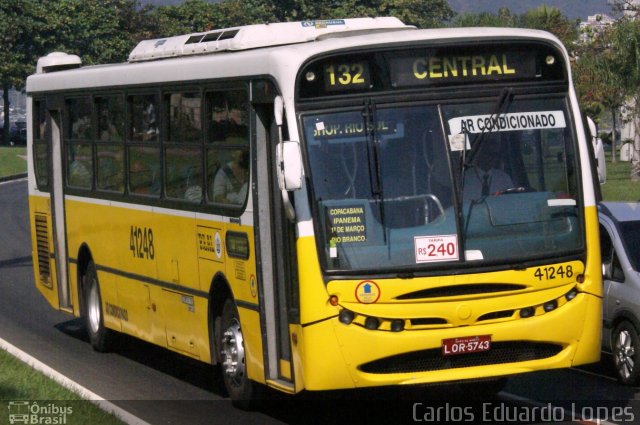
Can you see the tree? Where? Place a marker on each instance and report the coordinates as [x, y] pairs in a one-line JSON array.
[[544, 18], [625, 57], [19, 21], [504, 18], [423, 14], [551, 19], [99, 31], [597, 80]]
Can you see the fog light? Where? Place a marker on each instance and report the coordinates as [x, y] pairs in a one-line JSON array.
[[397, 325], [346, 317], [527, 312], [571, 294], [371, 323], [550, 305]]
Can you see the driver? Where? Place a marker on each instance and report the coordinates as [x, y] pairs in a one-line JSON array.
[[484, 177]]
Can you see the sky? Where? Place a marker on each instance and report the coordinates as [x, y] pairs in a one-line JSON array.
[[573, 9]]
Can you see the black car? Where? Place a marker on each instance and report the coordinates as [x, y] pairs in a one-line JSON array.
[[17, 134]]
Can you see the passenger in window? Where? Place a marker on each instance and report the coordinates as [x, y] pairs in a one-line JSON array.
[[485, 177], [231, 182], [108, 131], [79, 174], [150, 124]]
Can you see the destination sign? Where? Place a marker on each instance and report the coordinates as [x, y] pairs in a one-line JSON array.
[[398, 68], [438, 67]]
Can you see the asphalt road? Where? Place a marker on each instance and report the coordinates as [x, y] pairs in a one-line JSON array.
[[161, 387]]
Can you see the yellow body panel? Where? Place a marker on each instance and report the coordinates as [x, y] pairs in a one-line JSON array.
[[157, 289]]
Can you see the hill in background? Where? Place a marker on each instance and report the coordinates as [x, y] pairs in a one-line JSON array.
[[573, 9]]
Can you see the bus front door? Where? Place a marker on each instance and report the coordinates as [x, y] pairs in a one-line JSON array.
[[275, 242]]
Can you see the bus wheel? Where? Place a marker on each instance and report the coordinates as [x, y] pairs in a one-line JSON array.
[[626, 353], [99, 336], [232, 359]]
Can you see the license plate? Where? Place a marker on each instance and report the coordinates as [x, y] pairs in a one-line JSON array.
[[464, 345]]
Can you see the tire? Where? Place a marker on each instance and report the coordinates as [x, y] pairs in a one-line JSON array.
[[231, 352], [626, 353], [100, 337]]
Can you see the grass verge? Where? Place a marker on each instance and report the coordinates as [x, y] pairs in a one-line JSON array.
[[12, 160], [619, 186], [25, 391]]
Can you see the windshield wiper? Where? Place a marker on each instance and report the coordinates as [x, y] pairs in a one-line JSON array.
[[506, 96], [374, 157]]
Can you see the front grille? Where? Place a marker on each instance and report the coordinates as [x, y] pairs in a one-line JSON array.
[[461, 290], [430, 360], [42, 241]]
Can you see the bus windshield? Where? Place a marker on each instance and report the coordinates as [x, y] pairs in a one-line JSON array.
[[418, 186]]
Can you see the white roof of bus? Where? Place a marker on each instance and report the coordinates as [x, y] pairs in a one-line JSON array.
[[282, 61]]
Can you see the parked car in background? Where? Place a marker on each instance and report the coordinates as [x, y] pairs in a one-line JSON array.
[[17, 134], [620, 249]]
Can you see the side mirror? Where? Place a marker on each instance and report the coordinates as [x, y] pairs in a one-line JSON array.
[[289, 160]]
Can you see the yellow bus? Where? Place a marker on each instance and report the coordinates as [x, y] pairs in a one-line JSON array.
[[322, 204]]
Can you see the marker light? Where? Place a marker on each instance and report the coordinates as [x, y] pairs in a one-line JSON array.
[[346, 317], [333, 300], [571, 294], [527, 312], [371, 323], [397, 325], [580, 278], [550, 305], [550, 60], [310, 76]]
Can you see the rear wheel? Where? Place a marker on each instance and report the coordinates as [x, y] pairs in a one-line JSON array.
[[626, 353], [231, 352], [100, 337]]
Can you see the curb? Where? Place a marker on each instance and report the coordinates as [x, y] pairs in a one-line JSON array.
[[73, 386], [13, 177]]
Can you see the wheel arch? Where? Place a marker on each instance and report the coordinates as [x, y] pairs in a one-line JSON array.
[[84, 258], [219, 292]]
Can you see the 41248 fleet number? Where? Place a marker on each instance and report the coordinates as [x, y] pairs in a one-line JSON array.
[[141, 243]]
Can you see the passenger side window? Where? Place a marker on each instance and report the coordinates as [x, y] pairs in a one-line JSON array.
[[183, 146], [110, 143], [228, 147], [79, 133], [143, 145], [40, 144]]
